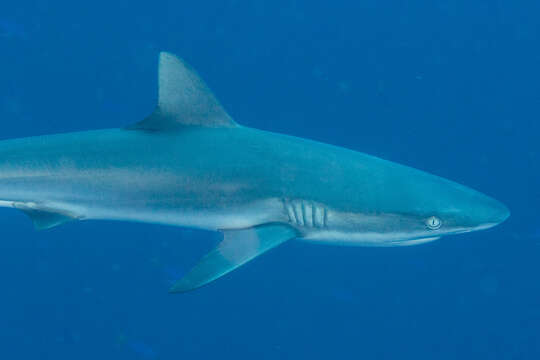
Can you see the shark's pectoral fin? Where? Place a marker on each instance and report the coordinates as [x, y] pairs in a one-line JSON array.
[[184, 100], [237, 248], [45, 218]]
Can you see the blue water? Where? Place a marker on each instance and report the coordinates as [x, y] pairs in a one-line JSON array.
[[450, 87]]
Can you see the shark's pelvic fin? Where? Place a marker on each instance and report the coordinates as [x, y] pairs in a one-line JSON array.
[[44, 218], [184, 100], [237, 248]]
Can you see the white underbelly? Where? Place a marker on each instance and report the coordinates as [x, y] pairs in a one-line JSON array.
[[234, 217], [371, 239]]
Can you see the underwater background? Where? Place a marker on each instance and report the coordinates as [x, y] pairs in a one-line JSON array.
[[449, 87]]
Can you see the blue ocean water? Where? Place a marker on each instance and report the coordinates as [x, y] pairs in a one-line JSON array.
[[450, 87]]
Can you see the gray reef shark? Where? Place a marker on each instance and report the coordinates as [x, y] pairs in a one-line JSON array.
[[190, 164]]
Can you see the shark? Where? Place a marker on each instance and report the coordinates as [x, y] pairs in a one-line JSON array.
[[190, 164]]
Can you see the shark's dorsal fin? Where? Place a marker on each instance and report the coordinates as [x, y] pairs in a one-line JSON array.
[[237, 248], [184, 100]]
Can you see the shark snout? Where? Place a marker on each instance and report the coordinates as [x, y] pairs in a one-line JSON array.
[[489, 212], [498, 212], [471, 210]]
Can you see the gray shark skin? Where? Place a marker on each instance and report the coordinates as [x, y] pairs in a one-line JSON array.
[[189, 164]]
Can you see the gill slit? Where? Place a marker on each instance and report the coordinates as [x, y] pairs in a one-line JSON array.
[[297, 212]]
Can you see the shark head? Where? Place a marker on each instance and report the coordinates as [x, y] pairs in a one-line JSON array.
[[440, 207], [457, 209], [393, 205]]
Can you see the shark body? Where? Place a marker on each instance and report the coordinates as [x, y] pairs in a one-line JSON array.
[[189, 164]]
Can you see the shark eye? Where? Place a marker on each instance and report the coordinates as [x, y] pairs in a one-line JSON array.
[[433, 223]]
